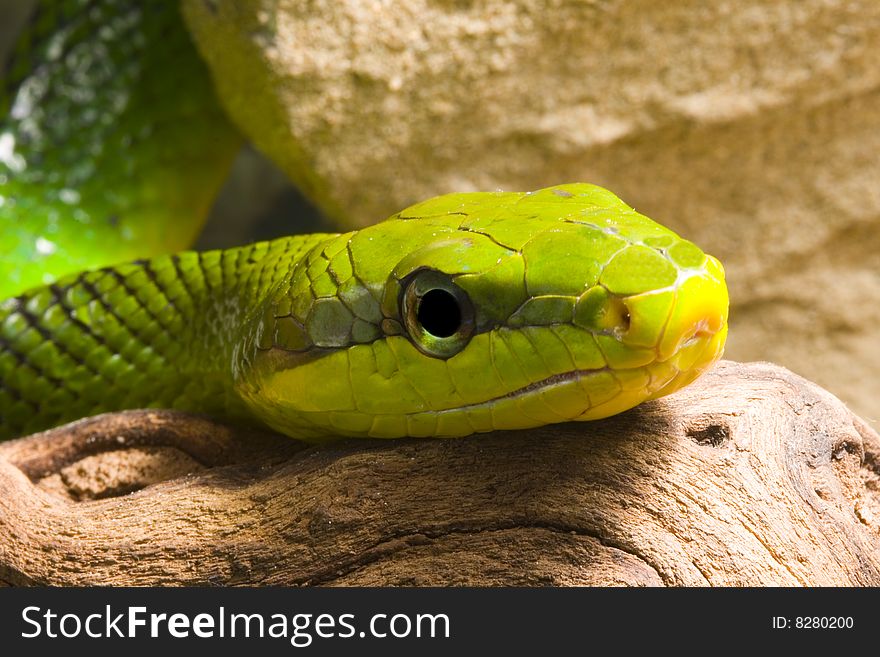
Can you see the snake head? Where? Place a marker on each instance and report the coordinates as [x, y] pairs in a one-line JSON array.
[[483, 311]]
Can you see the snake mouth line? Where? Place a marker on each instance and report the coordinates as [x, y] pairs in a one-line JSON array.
[[571, 376], [701, 335]]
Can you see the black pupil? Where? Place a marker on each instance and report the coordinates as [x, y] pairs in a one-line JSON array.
[[439, 313]]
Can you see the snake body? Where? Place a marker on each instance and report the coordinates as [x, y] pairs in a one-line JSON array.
[[112, 143], [465, 313]]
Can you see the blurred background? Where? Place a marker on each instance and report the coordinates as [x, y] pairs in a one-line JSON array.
[[750, 127], [258, 200]]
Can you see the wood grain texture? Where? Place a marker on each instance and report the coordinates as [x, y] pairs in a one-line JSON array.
[[751, 476]]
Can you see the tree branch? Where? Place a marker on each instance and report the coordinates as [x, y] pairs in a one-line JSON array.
[[750, 476]]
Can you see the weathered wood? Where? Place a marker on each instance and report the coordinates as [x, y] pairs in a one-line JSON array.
[[750, 476]]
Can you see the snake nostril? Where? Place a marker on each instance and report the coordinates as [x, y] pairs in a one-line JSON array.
[[599, 310], [622, 317], [617, 316]]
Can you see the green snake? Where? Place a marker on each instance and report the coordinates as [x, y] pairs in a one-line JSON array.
[[465, 313]]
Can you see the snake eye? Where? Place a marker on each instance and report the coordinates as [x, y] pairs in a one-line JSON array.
[[438, 314]]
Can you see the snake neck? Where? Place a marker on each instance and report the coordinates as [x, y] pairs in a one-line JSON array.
[[154, 333]]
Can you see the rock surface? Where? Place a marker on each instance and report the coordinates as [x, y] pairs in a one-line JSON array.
[[750, 476], [750, 127]]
